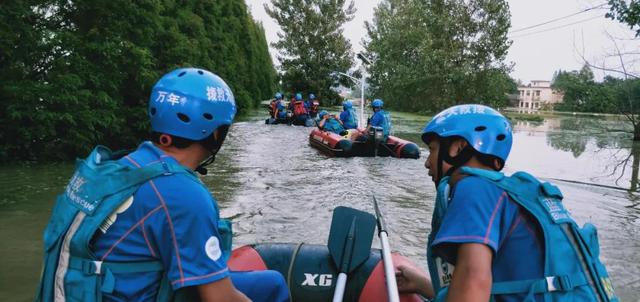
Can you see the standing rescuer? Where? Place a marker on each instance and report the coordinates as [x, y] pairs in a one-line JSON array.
[[508, 238], [142, 226]]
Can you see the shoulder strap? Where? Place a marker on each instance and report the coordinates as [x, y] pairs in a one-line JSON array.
[[521, 185], [542, 285]]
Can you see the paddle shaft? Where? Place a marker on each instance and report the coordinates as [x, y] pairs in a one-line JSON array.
[[389, 269], [340, 287]]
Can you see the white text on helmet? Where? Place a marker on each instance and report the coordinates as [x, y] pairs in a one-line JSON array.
[[170, 98], [459, 110], [218, 94]]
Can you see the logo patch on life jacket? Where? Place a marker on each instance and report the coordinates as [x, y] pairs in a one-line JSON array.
[[77, 196], [556, 210], [608, 287], [445, 272]]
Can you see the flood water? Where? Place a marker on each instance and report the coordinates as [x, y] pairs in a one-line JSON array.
[[276, 188]]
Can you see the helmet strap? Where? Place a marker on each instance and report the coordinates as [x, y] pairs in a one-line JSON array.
[[212, 143], [202, 168], [455, 161]]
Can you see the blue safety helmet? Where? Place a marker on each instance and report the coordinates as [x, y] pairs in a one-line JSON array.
[[323, 113], [377, 103], [312, 96], [486, 130], [278, 96], [191, 103], [346, 105], [298, 96]]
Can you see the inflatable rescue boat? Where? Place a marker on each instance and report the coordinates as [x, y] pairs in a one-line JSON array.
[[291, 120], [311, 274], [372, 144]]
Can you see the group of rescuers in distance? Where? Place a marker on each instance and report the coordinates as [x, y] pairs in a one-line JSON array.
[[174, 220], [344, 124]]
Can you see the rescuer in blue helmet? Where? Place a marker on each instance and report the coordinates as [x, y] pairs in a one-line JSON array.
[[380, 118], [273, 105], [509, 238], [163, 231], [348, 115], [330, 123]]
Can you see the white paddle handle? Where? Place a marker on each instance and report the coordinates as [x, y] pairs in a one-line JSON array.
[[389, 270], [340, 285]]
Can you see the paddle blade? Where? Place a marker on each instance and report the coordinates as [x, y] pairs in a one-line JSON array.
[[350, 237]]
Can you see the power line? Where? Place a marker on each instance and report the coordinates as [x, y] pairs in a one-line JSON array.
[[557, 19], [557, 27]]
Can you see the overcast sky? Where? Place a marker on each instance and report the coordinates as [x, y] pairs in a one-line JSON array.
[[536, 52]]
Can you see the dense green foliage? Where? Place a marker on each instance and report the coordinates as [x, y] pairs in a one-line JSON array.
[[583, 94], [428, 55], [626, 11], [312, 45], [78, 73]]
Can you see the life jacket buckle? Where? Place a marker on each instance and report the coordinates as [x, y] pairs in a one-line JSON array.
[[559, 283], [166, 168], [98, 267]]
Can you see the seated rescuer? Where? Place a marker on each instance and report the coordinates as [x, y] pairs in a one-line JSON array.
[[348, 115], [298, 107], [494, 241], [171, 220], [309, 102], [330, 123], [273, 105], [380, 118], [313, 105], [281, 110]]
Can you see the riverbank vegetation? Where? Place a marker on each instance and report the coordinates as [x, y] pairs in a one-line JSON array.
[[74, 74], [613, 95]]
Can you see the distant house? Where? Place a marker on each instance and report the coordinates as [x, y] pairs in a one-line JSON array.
[[537, 95]]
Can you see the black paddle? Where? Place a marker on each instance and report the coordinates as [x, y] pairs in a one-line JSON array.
[[350, 240]]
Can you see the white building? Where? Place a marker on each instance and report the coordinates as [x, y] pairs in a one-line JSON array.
[[538, 94]]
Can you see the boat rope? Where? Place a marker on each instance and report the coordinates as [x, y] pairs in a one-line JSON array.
[[290, 270]]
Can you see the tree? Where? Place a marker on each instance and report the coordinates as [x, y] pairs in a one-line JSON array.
[[76, 74], [432, 54], [312, 45], [577, 86], [624, 12]]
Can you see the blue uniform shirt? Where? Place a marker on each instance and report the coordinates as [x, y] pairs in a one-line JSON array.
[[480, 212], [172, 219]]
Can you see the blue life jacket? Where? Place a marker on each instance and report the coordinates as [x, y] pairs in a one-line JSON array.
[[98, 187], [282, 112], [572, 268], [332, 125], [349, 119], [385, 124]]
